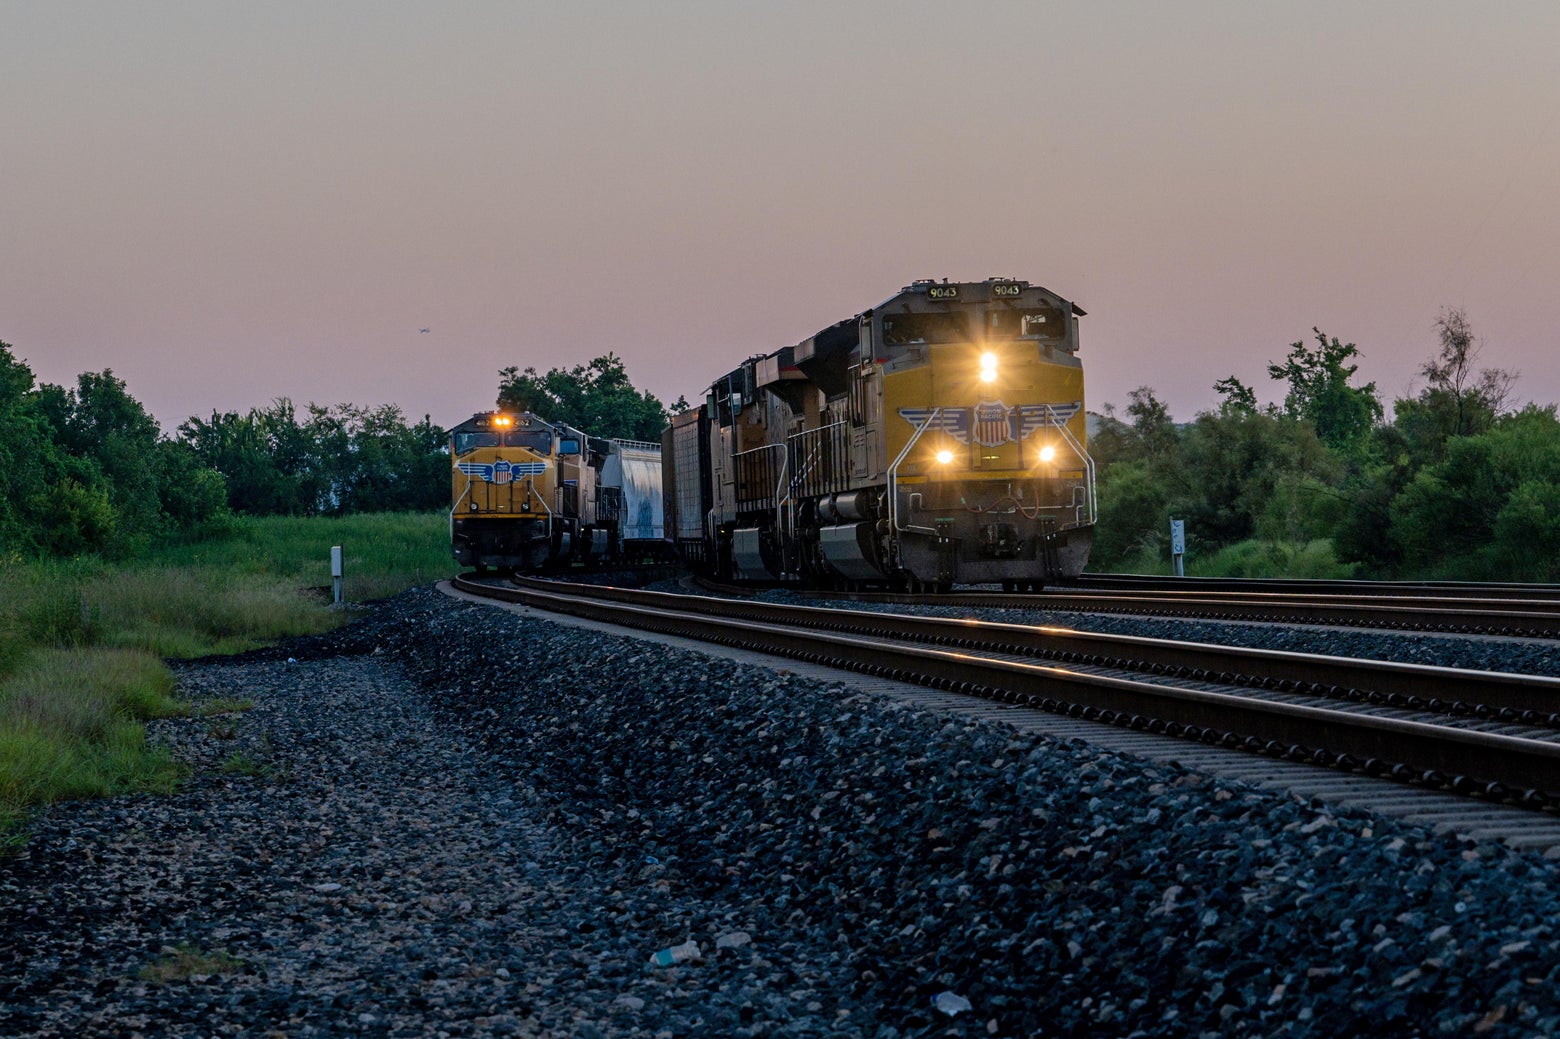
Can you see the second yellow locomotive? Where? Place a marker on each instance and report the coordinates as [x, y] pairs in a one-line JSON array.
[[938, 438], [528, 494]]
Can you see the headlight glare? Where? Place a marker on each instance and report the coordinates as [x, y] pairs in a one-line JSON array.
[[988, 367]]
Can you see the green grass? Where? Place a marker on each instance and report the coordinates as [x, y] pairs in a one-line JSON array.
[[237, 764], [71, 726], [185, 961], [384, 553], [81, 640]]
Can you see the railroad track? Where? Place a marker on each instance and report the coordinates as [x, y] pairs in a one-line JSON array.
[[1490, 735], [1527, 618]]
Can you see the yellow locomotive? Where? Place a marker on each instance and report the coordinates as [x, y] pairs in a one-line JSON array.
[[527, 494], [936, 439]]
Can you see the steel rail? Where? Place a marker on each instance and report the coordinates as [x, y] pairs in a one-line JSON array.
[[1467, 756]]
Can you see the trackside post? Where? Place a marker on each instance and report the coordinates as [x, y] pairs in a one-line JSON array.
[[337, 576]]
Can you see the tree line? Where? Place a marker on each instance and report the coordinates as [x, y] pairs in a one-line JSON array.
[[1457, 485], [86, 469]]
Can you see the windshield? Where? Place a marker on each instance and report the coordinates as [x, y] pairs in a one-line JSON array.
[[1042, 323], [904, 329], [538, 440]]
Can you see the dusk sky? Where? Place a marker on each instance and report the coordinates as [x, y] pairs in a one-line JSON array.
[[228, 203]]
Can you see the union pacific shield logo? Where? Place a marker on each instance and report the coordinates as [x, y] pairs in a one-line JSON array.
[[502, 471], [992, 427]]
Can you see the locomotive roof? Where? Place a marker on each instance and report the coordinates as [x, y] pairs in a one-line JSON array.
[[923, 292], [483, 420], [972, 292]]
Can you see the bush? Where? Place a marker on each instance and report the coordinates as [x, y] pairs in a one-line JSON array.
[[1316, 559], [1480, 513]]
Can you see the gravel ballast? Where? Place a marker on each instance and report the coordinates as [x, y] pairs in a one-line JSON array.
[[449, 819], [1525, 656]]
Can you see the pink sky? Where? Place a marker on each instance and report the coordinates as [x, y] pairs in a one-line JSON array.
[[230, 203]]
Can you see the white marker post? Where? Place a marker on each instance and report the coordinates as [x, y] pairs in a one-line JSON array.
[[1178, 547], [337, 576]]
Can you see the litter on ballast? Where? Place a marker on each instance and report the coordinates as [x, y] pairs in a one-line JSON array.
[[688, 950], [950, 1003]]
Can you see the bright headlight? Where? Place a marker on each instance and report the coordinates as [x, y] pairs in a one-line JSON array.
[[1047, 453], [944, 456], [988, 367]]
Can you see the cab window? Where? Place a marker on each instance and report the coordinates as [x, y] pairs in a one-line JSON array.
[[1045, 324], [538, 440], [465, 442], [904, 329]]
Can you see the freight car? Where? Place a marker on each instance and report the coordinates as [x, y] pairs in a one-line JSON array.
[[528, 494], [936, 439]]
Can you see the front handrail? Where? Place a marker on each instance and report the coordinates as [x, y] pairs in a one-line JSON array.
[[1083, 454], [893, 480]]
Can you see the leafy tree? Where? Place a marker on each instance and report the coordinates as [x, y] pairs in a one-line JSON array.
[[1247, 475], [1149, 432], [392, 465], [1133, 528], [1362, 533], [1457, 400], [1451, 372], [269, 460], [1239, 399], [1319, 392], [1140, 476], [1233, 475], [596, 398], [192, 497], [241, 448], [100, 421], [87, 469], [336, 459], [81, 520], [30, 463], [1481, 512]]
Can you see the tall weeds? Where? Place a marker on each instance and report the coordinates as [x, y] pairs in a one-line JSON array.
[[82, 641]]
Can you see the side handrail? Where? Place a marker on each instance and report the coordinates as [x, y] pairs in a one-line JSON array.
[[737, 465], [1088, 461], [893, 479], [781, 501]]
